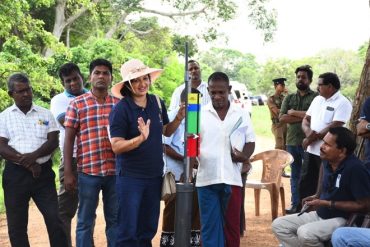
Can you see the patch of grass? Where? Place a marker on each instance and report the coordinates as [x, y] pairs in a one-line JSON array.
[[261, 121]]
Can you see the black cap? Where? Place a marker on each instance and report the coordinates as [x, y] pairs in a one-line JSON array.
[[278, 81]]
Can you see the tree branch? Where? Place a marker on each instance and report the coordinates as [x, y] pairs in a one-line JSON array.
[[115, 26], [172, 15], [80, 12]]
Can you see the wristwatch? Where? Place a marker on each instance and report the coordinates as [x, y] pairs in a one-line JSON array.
[[368, 126]]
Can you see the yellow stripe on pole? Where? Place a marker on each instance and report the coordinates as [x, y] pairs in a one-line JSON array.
[[193, 98]]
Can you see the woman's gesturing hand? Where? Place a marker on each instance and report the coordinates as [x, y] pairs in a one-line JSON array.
[[143, 127]]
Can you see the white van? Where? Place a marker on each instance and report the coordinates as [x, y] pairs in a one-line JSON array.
[[240, 95]]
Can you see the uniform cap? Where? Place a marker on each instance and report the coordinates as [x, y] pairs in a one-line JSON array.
[[278, 81]]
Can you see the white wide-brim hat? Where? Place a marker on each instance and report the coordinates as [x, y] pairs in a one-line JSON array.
[[133, 69]]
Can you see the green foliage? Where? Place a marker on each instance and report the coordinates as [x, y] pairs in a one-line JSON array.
[[263, 18], [172, 76], [18, 56], [238, 66], [16, 20], [275, 68], [178, 45], [363, 49]]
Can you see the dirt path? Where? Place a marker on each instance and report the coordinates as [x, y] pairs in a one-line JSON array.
[[258, 228]]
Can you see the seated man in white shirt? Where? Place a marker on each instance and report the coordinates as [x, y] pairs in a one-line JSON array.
[[219, 173]]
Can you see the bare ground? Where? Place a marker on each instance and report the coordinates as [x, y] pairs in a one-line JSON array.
[[258, 228]]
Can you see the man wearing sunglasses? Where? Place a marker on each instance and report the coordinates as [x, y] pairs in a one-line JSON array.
[[344, 189]]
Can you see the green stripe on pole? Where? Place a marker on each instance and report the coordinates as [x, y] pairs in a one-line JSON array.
[[193, 122]]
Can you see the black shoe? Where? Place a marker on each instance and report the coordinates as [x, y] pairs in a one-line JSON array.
[[285, 175], [292, 210]]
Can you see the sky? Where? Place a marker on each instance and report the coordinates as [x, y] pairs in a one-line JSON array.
[[304, 28]]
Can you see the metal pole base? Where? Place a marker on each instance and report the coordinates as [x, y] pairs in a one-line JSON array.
[[183, 212]]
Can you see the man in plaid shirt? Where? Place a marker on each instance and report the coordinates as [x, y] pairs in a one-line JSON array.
[[87, 119]]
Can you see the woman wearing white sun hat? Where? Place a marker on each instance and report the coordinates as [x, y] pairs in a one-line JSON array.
[[137, 123]]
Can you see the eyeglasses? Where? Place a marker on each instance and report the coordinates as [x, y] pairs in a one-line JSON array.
[[22, 91], [322, 84]]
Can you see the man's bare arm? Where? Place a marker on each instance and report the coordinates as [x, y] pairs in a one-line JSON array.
[[7, 152], [172, 153], [70, 181], [358, 206], [361, 128]]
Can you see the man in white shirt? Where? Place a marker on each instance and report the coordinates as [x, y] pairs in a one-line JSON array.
[[28, 137], [72, 81], [196, 82], [227, 139], [329, 109]]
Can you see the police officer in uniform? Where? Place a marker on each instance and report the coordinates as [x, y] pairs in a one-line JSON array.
[[274, 103]]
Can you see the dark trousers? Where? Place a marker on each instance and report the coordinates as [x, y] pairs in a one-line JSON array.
[[67, 201], [309, 175], [242, 209], [19, 187]]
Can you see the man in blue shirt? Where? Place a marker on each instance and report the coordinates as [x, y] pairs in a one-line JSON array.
[[345, 188], [363, 127]]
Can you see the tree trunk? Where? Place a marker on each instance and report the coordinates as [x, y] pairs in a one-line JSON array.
[[362, 92], [60, 18], [67, 36], [59, 23]]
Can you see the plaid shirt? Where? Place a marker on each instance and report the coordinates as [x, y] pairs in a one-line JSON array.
[[91, 120]]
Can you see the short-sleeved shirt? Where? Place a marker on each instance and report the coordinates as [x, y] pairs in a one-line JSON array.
[[91, 121], [27, 132], [176, 142], [325, 111], [145, 161], [216, 165], [175, 98], [58, 106], [275, 101], [365, 114], [350, 182], [295, 101]]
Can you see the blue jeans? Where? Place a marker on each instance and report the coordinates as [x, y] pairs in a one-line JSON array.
[[88, 193], [351, 236], [298, 153], [138, 210], [213, 200]]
